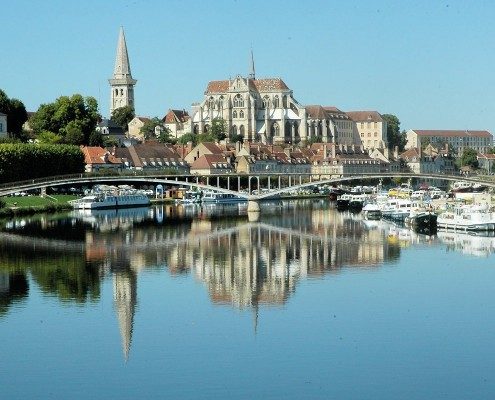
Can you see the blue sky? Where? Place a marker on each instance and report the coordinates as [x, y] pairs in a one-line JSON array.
[[431, 63]]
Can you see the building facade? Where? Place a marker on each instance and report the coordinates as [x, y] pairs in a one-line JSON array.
[[457, 140], [121, 83], [372, 129]]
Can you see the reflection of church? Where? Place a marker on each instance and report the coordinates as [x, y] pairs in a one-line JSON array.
[[125, 300]]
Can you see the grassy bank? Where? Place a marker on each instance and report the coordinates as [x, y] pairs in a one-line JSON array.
[[28, 205]]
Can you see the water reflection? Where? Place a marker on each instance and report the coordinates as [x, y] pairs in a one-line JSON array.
[[242, 263]]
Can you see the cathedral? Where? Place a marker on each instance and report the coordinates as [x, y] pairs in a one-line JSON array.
[[265, 110], [260, 110]]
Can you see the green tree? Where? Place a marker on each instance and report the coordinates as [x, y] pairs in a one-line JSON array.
[[218, 129], [166, 137], [47, 137], [394, 136], [148, 128], [469, 158], [122, 116], [234, 137], [16, 115], [95, 139], [73, 118], [188, 137]]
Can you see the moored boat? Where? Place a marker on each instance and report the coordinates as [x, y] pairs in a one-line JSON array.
[[476, 217], [110, 200]]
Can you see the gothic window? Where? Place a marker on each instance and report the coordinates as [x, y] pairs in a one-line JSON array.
[[275, 129], [266, 101], [206, 128], [241, 130], [195, 129], [238, 101], [234, 130], [284, 102], [211, 102], [276, 102], [220, 103], [241, 114], [121, 92], [116, 92], [234, 114]]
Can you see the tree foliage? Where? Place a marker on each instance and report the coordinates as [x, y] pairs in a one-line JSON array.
[[72, 118], [122, 116], [394, 136], [149, 128], [23, 161], [218, 129], [469, 158], [16, 115], [188, 137]]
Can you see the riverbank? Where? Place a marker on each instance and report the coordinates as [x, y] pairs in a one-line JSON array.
[[29, 205]]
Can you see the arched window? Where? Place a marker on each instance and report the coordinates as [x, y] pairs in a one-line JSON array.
[[220, 103], [196, 129], [206, 128], [121, 92], [276, 102], [116, 92], [241, 130], [238, 101], [266, 101], [275, 129], [241, 114], [234, 129], [211, 102], [284, 101], [234, 114]]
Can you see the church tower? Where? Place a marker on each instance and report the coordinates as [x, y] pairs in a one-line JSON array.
[[121, 84]]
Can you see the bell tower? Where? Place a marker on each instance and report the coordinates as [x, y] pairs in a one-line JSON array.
[[122, 83]]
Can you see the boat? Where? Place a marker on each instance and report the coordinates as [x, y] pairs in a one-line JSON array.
[[356, 202], [191, 197], [477, 218], [461, 187], [371, 211], [211, 196], [396, 209], [343, 201], [110, 200], [421, 218]]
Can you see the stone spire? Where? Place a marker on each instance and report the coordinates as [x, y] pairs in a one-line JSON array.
[[252, 74], [122, 68], [121, 83]]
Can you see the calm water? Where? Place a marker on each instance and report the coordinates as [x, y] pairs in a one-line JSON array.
[[208, 303]]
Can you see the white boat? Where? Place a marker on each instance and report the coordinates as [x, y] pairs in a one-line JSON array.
[[110, 200], [396, 209], [372, 211], [476, 217], [191, 197], [211, 196]]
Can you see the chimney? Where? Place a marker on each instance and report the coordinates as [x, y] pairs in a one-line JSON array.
[[333, 150], [353, 148], [396, 152], [325, 150]]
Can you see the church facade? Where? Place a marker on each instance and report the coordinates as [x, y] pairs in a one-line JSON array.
[[265, 110]]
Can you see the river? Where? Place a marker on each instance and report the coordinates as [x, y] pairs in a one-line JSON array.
[[299, 301]]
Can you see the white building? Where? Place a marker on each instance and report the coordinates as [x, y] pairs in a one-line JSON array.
[[480, 141], [372, 128]]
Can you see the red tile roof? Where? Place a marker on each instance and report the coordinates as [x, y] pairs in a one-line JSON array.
[[261, 85], [208, 161], [453, 133], [174, 116], [98, 155]]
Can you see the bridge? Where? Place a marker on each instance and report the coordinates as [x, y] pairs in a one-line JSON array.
[[274, 184]]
